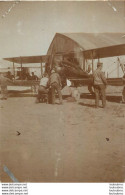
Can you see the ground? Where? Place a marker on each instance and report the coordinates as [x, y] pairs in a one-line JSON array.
[[73, 142]]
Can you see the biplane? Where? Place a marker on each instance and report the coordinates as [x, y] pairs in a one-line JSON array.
[[68, 54]]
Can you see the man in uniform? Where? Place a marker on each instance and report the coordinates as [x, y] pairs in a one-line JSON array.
[[99, 85], [3, 83], [123, 91], [55, 84], [123, 79]]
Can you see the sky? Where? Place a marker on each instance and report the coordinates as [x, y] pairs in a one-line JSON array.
[[27, 28]]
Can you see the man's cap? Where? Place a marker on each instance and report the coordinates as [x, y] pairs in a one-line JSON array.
[[99, 64], [52, 71]]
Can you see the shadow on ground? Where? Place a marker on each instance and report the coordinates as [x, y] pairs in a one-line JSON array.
[[88, 105], [110, 98]]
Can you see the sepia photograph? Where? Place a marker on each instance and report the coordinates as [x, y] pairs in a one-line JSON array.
[[62, 91]]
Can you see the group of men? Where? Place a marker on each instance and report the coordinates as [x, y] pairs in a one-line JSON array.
[[50, 85], [53, 83], [27, 76]]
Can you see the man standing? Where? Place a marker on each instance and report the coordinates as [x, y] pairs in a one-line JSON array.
[[99, 85], [123, 91], [43, 87], [3, 82], [55, 84], [123, 79]]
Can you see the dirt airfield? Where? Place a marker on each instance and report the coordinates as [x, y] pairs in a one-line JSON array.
[[73, 142]]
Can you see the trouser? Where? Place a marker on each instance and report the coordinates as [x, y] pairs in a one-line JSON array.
[[4, 92], [90, 89], [123, 94], [56, 87], [100, 91], [41, 90]]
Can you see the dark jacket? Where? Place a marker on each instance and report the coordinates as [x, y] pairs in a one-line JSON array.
[[54, 77]]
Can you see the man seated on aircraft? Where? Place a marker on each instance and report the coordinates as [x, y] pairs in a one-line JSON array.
[[9, 75], [28, 76], [34, 77], [43, 87]]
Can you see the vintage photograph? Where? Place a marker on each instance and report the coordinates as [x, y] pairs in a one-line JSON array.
[[62, 91]]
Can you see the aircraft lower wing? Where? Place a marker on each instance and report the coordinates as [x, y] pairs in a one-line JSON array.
[[80, 81]]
